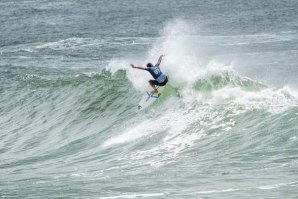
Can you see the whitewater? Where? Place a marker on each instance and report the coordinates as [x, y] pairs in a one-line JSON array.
[[226, 125]]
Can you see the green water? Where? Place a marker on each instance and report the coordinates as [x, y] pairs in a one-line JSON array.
[[226, 124]]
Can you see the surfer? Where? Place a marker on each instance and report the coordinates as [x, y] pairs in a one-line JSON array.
[[159, 78]]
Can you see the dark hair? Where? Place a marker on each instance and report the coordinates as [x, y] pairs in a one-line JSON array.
[[149, 65]]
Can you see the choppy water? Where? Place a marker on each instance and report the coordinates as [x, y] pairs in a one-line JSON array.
[[225, 127]]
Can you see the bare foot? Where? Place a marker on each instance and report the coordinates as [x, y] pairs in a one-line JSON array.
[[154, 91]]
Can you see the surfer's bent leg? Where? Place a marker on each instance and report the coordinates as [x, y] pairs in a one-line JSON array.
[[152, 84]]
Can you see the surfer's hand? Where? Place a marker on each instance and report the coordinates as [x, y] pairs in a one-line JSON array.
[[132, 65]]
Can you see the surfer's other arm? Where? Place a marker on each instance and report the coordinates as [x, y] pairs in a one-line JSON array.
[[137, 67], [159, 59]]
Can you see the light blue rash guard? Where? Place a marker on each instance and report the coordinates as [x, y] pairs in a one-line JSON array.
[[156, 73]]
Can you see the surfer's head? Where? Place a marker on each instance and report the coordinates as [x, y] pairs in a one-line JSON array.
[[149, 65]]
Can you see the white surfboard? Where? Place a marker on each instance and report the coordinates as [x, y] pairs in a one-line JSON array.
[[148, 98]]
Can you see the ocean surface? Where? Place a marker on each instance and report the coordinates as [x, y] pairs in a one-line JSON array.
[[226, 125]]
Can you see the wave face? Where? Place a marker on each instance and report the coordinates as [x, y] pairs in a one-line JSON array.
[[224, 127], [71, 135]]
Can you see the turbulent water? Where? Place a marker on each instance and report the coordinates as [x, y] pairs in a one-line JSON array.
[[226, 125]]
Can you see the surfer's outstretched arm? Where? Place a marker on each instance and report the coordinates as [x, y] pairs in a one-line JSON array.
[[137, 67], [159, 59]]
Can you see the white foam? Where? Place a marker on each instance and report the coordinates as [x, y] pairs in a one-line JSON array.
[[182, 62], [275, 186], [176, 140], [78, 42], [217, 191], [135, 132], [144, 195], [293, 138], [63, 44], [270, 99], [291, 91]]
